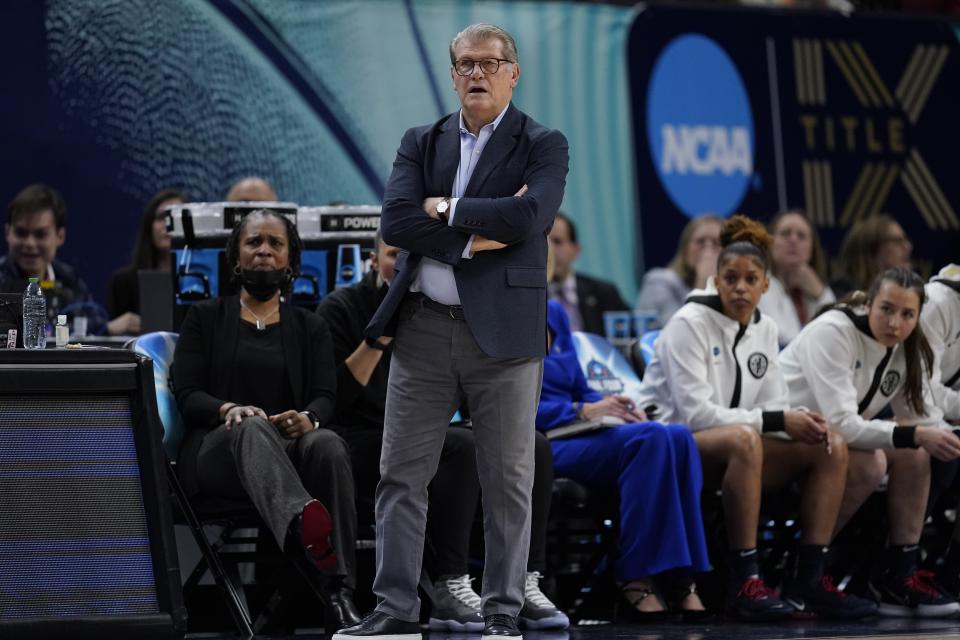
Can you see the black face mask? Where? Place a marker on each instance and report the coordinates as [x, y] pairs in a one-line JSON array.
[[263, 285]]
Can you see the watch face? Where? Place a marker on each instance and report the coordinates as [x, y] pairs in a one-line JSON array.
[[442, 206]]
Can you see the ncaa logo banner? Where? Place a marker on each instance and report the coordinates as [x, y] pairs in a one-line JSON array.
[[756, 111], [699, 126]]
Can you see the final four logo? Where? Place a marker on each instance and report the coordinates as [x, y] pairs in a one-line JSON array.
[[700, 126], [601, 379]]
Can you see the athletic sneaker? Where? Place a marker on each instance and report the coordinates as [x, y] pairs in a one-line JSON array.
[[755, 602], [538, 612], [456, 606], [825, 600], [913, 596]]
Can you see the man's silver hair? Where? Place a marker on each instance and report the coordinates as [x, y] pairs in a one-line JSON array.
[[483, 31]]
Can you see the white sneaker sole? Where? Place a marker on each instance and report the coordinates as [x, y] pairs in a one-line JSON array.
[[436, 624], [556, 621], [386, 636], [938, 610], [950, 610]]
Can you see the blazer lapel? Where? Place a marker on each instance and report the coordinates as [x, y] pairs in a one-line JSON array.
[[501, 143], [448, 154], [292, 351]]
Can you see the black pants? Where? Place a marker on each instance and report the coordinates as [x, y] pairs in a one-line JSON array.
[[454, 494], [280, 476]]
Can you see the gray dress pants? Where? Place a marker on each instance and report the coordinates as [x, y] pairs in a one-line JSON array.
[[436, 364], [280, 476]]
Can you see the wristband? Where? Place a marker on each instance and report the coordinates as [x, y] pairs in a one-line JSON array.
[[905, 438], [773, 421]]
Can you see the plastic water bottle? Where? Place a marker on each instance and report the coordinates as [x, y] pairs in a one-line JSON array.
[[34, 316]]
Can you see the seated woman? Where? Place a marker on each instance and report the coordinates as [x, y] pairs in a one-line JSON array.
[[871, 246], [850, 363], [664, 289], [255, 382], [151, 251], [654, 467], [940, 320], [797, 284], [715, 369]]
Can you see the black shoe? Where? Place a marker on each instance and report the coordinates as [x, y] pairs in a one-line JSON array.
[[339, 611], [381, 626], [499, 625], [754, 601], [913, 596], [825, 600]]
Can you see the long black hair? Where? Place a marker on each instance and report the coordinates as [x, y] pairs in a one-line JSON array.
[[295, 245], [145, 254], [916, 348]]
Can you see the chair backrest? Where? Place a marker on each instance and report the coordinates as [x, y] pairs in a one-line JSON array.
[[647, 341], [159, 347], [606, 369]]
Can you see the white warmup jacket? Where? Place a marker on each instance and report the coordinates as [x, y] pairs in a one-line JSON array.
[[709, 371], [940, 319], [837, 368]]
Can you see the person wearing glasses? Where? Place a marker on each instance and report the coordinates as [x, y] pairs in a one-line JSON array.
[[871, 247], [470, 201]]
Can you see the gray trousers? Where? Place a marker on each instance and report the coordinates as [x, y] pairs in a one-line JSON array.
[[280, 476], [437, 364]]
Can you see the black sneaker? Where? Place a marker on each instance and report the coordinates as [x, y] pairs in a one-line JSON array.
[[756, 602], [381, 626], [456, 606], [499, 625], [913, 596], [824, 599]]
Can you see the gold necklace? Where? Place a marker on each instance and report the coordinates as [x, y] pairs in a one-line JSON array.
[[261, 325]]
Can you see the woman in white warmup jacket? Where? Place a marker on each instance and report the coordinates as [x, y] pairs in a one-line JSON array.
[[940, 320], [715, 369], [849, 364]]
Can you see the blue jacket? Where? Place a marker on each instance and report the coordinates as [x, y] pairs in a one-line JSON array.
[[563, 379]]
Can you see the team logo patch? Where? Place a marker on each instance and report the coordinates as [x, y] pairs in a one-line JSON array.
[[757, 364], [716, 351], [890, 382]]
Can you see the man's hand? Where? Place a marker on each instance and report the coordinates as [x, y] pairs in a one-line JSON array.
[[485, 244], [430, 206], [805, 426], [616, 406], [292, 424]]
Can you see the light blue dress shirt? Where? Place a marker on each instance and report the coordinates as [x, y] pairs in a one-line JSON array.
[[435, 279]]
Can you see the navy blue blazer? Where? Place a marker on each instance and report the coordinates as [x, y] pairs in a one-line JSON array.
[[503, 292]]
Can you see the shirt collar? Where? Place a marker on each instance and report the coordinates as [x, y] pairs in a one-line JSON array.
[[493, 125]]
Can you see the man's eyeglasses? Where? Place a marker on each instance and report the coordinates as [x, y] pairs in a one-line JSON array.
[[489, 66]]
